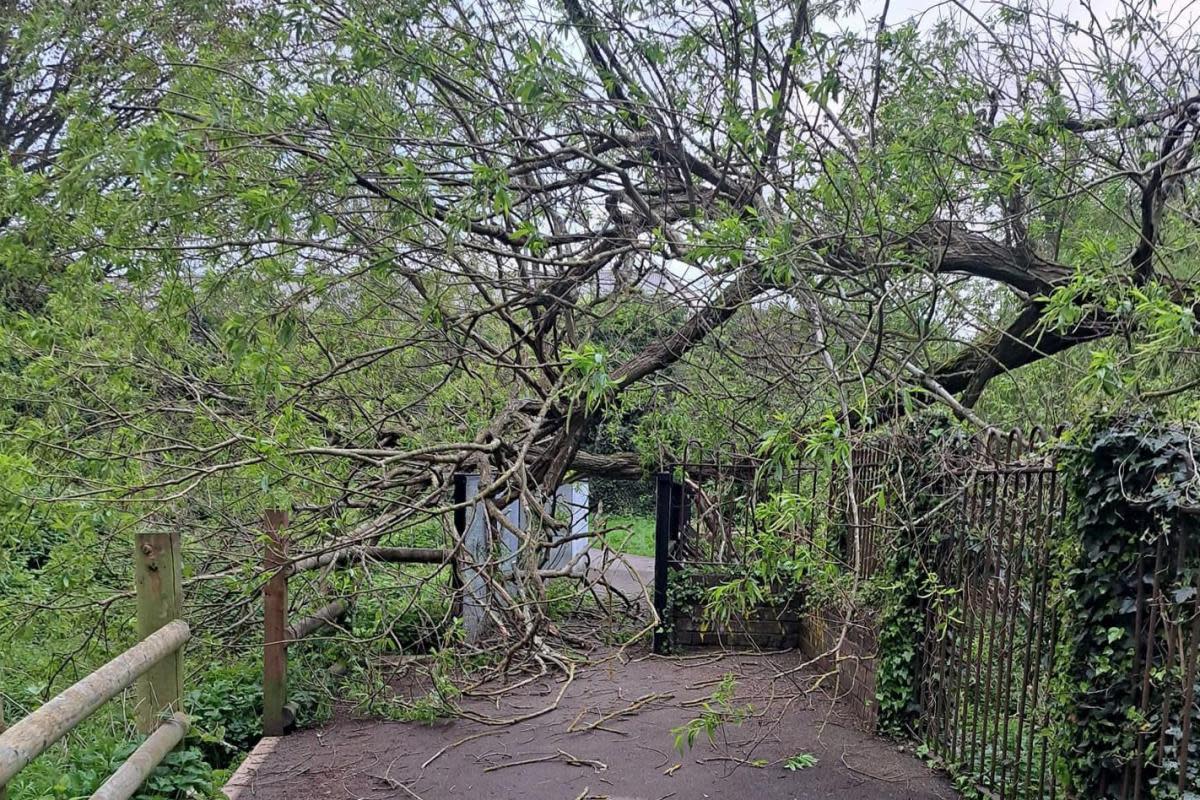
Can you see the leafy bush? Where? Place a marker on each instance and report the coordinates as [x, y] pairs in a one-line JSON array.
[[226, 711]]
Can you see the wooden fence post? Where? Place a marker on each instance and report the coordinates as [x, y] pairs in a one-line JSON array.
[[275, 623], [158, 576]]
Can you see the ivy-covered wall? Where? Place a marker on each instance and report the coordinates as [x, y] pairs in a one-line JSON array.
[[1113, 591], [1126, 714]]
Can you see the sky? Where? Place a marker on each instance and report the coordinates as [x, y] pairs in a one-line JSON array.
[[1104, 10]]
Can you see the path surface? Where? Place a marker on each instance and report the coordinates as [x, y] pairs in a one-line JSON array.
[[585, 748], [625, 757], [632, 576]]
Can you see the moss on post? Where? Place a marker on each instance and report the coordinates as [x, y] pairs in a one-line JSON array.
[[158, 576]]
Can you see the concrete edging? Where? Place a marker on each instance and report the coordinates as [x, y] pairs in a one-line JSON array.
[[240, 785]]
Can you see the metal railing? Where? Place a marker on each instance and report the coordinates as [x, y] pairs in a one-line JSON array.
[[992, 631], [707, 515], [991, 647]]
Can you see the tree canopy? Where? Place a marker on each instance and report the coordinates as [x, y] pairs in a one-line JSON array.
[[326, 253]]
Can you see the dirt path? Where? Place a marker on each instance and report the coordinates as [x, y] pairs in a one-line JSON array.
[[628, 757]]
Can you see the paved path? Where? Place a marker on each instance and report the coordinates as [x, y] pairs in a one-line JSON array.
[[586, 748], [620, 757], [632, 576]]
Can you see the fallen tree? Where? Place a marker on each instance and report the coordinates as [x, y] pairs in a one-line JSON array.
[[354, 250]]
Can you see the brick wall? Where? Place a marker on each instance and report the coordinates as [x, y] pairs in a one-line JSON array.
[[850, 657], [775, 627], [765, 629]]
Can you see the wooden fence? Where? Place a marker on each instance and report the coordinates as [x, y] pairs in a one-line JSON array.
[[278, 633], [155, 663]]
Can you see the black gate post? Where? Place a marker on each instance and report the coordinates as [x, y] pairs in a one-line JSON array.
[[460, 530], [664, 494]]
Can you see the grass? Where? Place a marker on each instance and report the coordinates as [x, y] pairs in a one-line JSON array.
[[629, 534]]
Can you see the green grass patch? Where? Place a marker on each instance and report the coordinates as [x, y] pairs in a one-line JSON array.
[[628, 533]]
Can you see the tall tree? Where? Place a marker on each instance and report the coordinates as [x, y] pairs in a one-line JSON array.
[[363, 244]]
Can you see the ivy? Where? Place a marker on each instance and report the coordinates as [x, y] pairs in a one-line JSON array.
[[1126, 562], [903, 590], [897, 674]]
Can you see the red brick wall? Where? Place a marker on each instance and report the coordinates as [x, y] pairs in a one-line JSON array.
[[765, 629], [850, 658]]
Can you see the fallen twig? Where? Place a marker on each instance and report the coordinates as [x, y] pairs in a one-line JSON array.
[[512, 721], [575, 761], [629, 709]]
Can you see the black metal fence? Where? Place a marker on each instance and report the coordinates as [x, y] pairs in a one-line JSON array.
[[1165, 745], [991, 629], [991, 643], [864, 486], [709, 502], [985, 517], [707, 512]]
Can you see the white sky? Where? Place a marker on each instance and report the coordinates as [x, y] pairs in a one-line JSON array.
[[1104, 10]]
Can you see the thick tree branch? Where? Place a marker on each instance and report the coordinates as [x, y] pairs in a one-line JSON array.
[[743, 289]]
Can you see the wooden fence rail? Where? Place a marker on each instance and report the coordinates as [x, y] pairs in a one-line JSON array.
[[137, 768], [401, 555], [155, 663], [278, 633]]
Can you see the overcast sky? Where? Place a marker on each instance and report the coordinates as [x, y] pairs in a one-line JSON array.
[[1104, 10]]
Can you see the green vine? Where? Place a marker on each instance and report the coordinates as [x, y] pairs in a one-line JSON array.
[[905, 587], [897, 673], [1127, 485]]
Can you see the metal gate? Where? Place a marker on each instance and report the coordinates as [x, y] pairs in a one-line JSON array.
[[706, 512]]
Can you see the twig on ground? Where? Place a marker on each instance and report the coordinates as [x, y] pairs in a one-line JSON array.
[[598, 766], [894, 778], [636, 705], [512, 721], [748, 762]]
